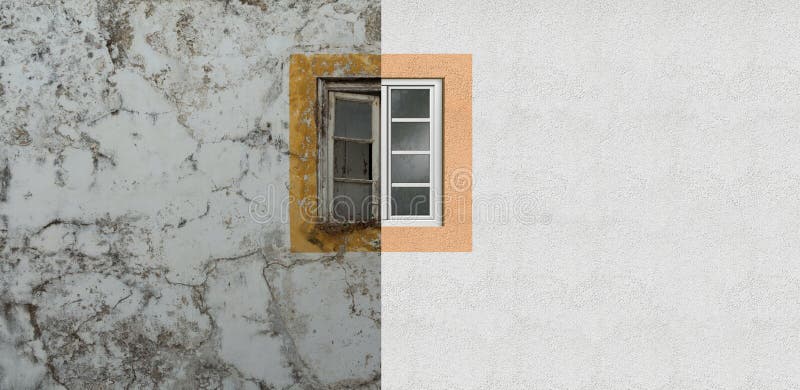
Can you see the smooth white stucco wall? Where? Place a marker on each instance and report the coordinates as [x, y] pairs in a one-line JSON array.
[[653, 154]]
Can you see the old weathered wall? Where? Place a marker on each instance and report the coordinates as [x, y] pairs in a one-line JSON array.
[[143, 178]]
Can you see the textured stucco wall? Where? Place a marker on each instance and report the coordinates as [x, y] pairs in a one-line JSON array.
[[646, 157], [135, 139], [455, 73]]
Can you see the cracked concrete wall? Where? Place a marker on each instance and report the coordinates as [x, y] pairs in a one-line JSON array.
[[135, 137]]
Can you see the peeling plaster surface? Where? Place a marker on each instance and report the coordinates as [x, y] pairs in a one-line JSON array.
[[307, 235], [643, 163], [136, 137]]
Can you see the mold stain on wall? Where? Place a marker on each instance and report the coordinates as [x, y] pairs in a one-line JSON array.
[[306, 234], [135, 138]]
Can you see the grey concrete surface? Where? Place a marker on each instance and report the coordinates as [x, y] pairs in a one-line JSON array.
[[136, 140]]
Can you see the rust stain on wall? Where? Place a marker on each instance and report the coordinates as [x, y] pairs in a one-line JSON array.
[[307, 234]]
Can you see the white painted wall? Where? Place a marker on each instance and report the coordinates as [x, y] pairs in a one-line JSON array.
[[656, 154]]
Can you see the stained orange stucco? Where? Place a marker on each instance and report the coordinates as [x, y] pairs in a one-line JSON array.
[[455, 234], [306, 235]]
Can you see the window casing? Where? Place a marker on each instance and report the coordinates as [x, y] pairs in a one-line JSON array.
[[411, 142]]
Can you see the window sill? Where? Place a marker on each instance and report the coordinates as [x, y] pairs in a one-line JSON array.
[[410, 223], [344, 227]]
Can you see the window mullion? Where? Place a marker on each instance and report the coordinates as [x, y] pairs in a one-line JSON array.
[[354, 140], [327, 198], [376, 158], [385, 179], [403, 120], [411, 152], [349, 180]]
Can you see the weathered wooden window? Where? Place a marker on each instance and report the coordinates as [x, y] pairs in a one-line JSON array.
[[349, 150], [411, 136]]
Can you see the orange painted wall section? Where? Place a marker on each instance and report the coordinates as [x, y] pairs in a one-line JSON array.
[[455, 234]]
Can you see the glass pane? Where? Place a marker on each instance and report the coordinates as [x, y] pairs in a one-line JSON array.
[[352, 160], [411, 201], [410, 136], [353, 119], [410, 103], [351, 201], [410, 168]]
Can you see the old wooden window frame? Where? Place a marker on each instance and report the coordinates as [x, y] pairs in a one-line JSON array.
[[434, 219], [355, 88]]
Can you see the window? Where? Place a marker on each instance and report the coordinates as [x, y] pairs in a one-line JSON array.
[[371, 131], [311, 79], [349, 150], [411, 138]]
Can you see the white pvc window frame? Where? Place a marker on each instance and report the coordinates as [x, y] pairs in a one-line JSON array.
[[434, 219]]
